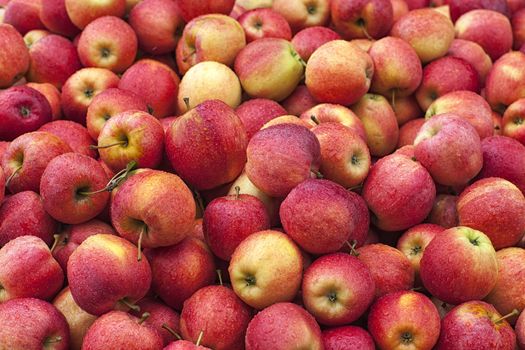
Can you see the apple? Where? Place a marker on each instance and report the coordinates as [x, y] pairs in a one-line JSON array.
[[185, 345], [161, 317], [371, 19], [459, 265], [283, 326], [520, 331], [276, 170], [28, 270], [513, 123], [347, 337], [208, 81], [478, 26], [14, 58], [258, 277], [52, 94], [334, 113], [518, 28], [459, 7], [190, 9], [158, 25], [444, 212], [29, 323], [362, 220], [34, 35], [515, 5], [474, 54], [430, 33], [287, 119], [241, 6], [299, 101], [302, 14], [80, 89], [73, 134], [156, 83], [505, 82], [310, 39], [256, 112], [22, 110], [264, 23], [54, 16], [24, 15], [84, 12], [475, 325], [269, 68], [399, 8], [350, 70], [202, 40], [450, 149], [409, 131]]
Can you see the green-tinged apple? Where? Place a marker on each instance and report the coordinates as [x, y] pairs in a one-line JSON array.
[[73, 134], [513, 123], [474, 54], [444, 212], [53, 15], [302, 14], [52, 94], [333, 113], [256, 112], [310, 39], [14, 57], [370, 19], [34, 35], [81, 13], [264, 23]]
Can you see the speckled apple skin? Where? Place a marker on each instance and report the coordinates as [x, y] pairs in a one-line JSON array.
[[159, 314], [347, 337]]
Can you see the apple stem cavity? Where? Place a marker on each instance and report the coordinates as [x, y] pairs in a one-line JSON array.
[[219, 274], [361, 23], [144, 317], [123, 142], [130, 305], [8, 181], [52, 340], [315, 120], [514, 312], [171, 331], [199, 339], [187, 102]]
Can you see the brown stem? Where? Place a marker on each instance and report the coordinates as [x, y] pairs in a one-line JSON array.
[[8, 181], [144, 317], [199, 200], [365, 32], [352, 246], [187, 102], [108, 146], [512, 313], [199, 339], [139, 244], [52, 340], [219, 273], [237, 192], [130, 305], [318, 174], [393, 99], [315, 120], [114, 181], [185, 58], [56, 236], [171, 331]]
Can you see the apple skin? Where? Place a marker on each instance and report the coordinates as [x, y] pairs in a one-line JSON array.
[[506, 295], [14, 58], [103, 270], [444, 212], [80, 89], [209, 81], [404, 319], [362, 220], [27, 323], [22, 110], [337, 289], [269, 68], [513, 123], [474, 54], [459, 265], [287, 119], [34, 35], [210, 133], [158, 25], [467, 105], [24, 15], [427, 31], [380, 124], [460, 7], [256, 112], [283, 326], [494, 206], [409, 131], [397, 68], [399, 191], [302, 14], [73, 134], [28, 270], [85, 12], [515, 5], [2, 184], [156, 83], [345, 158], [77, 319], [506, 81], [390, 268], [120, 330], [277, 170], [478, 26], [184, 345], [520, 331], [54, 16], [299, 101], [310, 39], [219, 314], [203, 38], [472, 325], [450, 149], [362, 18], [108, 42], [333, 113], [190, 9], [264, 23], [258, 277], [228, 220], [347, 337], [160, 314], [399, 8], [52, 94], [351, 70], [30, 153], [175, 282], [53, 60], [518, 28]]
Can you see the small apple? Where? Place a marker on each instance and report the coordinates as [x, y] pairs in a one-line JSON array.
[[299, 101], [371, 19], [444, 212], [24, 15], [310, 39], [408, 132], [264, 23], [347, 337], [474, 54]]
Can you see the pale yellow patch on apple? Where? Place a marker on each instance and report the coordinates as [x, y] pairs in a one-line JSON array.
[[407, 300]]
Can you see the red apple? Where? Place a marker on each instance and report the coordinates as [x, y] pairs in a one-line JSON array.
[[518, 28], [347, 337], [264, 23], [444, 212], [256, 112], [513, 122], [506, 81], [299, 101], [333, 113], [73, 134], [520, 331], [459, 7], [84, 12], [474, 54], [161, 317], [52, 94], [362, 18], [303, 13], [24, 15], [409, 131], [191, 9], [54, 16], [14, 57], [310, 39]]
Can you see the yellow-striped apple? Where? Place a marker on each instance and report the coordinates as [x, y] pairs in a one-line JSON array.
[[81, 13], [310, 39], [474, 54], [14, 57], [264, 23]]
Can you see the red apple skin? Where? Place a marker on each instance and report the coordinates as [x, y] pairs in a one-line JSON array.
[[310, 39], [80, 89], [22, 110], [103, 270], [219, 314], [184, 345], [160, 314], [283, 326], [333, 113], [52, 94], [303, 14], [409, 131], [24, 15], [30, 153], [85, 12], [520, 331], [190, 9], [494, 206], [390, 268], [256, 112], [450, 149], [65, 177], [29, 270], [14, 58], [496, 121], [345, 279], [27, 323], [362, 18], [53, 60], [399, 191], [513, 123], [299, 101], [120, 330], [264, 23], [472, 325], [427, 31], [362, 220], [175, 282], [479, 26], [400, 8], [156, 83], [158, 25], [2, 185], [351, 68], [444, 212], [515, 5], [505, 82], [108, 42], [229, 220], [54, 16], [347, 337], [518, 28], [73, 134], [459, 265], [474, 54], [460, 7]]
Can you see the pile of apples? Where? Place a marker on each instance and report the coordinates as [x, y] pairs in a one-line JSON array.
[[262, 175]]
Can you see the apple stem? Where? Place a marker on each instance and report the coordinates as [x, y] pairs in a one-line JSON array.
[[52, 340], [237, 192], [108, 146], [416, 289], [199, 339], [318, 174], [187, 102], [130, 305], [185, 58], [114, 181], [352, 246], [393, 102], [171, 331], [219, 273], [315, 120], [365, 32], [512, 313], [8, 181], [144, 317], [139, 244], [356, 187], [56, 236]]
